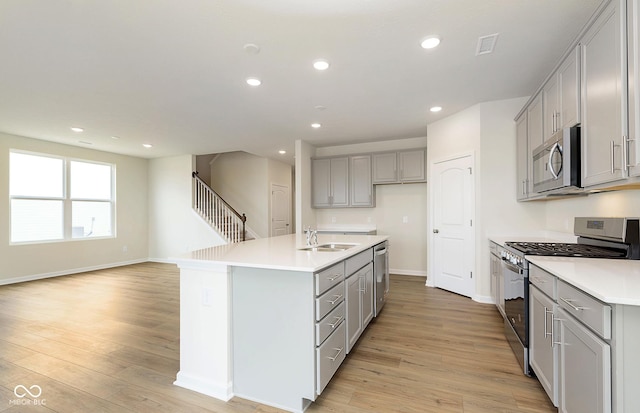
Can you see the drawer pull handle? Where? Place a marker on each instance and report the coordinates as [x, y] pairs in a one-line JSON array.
[[335, 323], [339, 350], [338, 297], [570, 303], [334, 277], [539, 280]]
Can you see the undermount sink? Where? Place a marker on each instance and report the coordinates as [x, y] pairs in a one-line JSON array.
[[330, 247]]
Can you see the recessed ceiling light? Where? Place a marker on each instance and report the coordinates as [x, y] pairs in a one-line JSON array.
[[115, 137], [147, 145], [76, 129], [252, 81], [315, 125], [436, 109], [321, 64], [320, 107], [282, 152], [430, 42]]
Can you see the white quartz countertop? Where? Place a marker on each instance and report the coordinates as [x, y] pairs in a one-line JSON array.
[[609, 280], [281, 253]]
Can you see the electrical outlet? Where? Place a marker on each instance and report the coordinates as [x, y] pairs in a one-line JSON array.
[[405, 219], [207, 297], [333, 220], [125, 249]]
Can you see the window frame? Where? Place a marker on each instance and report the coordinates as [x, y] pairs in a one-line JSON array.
[[67, 201]]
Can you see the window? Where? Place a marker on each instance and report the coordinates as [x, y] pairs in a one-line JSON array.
[[55, 198]]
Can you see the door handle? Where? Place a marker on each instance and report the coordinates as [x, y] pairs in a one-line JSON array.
[[435, 231]]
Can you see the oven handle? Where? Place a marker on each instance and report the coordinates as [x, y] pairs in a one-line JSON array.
[[512, 267]]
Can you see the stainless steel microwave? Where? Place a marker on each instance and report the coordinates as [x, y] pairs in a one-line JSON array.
[[556, 163]]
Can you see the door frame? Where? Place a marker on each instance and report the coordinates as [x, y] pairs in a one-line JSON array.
[[430, 225]]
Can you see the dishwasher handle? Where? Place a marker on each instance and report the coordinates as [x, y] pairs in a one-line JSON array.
[[381, 251]]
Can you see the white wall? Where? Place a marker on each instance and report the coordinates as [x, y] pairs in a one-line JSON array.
[[487, 130], [304, 215], [244, 181], [393, 203], [174, 227], [559, 213], [31, 261]]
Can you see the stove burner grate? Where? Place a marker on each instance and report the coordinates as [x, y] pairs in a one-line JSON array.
[[566, 250]]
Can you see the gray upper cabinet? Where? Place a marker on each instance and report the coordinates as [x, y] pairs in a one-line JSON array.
[[535, 124], [330, 182], [522, 158], [399, 167], [361, 190], [633, 28], [604, 98], [561, 96]]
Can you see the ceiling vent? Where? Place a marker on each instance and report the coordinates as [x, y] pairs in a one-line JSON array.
[[486, 44]]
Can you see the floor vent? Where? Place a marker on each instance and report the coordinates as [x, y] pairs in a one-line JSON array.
[[486, 44]]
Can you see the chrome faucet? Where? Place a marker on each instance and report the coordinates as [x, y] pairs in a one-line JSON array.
[[312, 236]]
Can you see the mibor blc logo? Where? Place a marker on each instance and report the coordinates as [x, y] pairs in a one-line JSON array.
[[21, 392]]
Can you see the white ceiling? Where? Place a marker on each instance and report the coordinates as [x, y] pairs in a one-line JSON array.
[[172, 72]]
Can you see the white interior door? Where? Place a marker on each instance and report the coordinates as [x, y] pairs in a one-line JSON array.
[[280, 210], [453, 252]]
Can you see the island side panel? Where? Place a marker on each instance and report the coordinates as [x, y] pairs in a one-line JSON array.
[[273, 337], [205, 329]]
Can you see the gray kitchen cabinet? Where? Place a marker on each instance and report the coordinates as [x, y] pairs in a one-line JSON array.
[[494, 271], [399, 167], [604, 97], [412, 166], [561, 96], [358, 296], [361, 184], [633, 50], [584, 368], [543, 352], [523, 161], [535, 125], [330, 182]]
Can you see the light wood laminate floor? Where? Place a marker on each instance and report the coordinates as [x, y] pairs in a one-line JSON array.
[[108, 341]]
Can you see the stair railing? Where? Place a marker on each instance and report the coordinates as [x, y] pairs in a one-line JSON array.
[[217, 212]]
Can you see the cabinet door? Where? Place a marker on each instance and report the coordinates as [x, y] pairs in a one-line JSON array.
[[367, 294], [604, 95], [321, 183], [385, 168], [633, 25], [550, 107], [542, 351], [569, 90], [361, 186], [340, 182], [494, 264], [584, 369], [411, 165], [522, 159], [535, 131], [354, 319]]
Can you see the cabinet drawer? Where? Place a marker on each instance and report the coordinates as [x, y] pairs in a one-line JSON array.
[[329, 300], [358, 261], [329, 277], [329, 356], [328, 325], [592, 312], [547, 283]]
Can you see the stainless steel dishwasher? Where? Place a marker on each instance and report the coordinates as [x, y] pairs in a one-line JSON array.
[[381, 274]]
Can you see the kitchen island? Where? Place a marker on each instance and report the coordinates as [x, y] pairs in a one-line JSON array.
[[265, 319]]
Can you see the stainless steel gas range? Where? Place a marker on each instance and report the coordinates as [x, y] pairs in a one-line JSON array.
[[615, 238]]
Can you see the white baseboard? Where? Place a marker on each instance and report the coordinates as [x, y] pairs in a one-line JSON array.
[[408, 272], [34, 277], [485, 299], [203, 385]]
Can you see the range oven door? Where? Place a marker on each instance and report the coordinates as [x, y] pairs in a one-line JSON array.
[[516, 308]]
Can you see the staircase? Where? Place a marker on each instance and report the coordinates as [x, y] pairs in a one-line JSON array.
[[217, 212]]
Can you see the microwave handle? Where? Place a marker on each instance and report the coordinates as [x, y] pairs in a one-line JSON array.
[[555, 147]]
